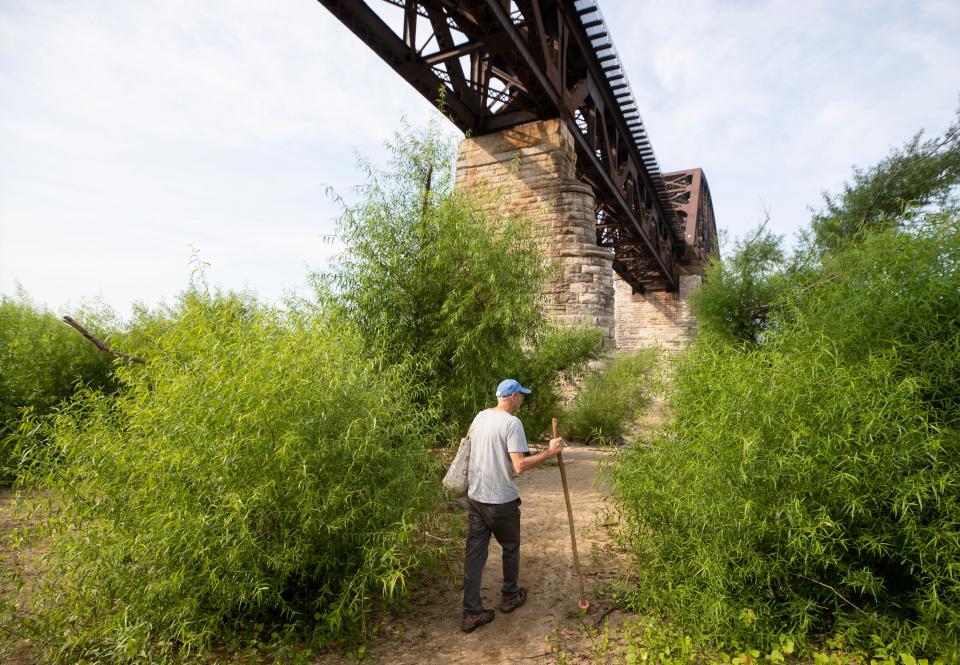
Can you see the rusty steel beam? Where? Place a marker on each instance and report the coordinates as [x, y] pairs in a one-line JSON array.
[[370, 28]]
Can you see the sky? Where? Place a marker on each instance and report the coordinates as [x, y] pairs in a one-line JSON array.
[[137, 138]]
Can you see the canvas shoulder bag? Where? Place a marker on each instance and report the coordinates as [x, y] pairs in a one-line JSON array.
[[456, 480]]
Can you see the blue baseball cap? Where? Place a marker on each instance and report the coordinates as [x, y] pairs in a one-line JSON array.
[[508, 387]]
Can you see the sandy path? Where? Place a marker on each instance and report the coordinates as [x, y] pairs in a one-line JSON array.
[[430, 633]]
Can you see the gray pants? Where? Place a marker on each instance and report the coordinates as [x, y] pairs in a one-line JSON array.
[[503, 521]]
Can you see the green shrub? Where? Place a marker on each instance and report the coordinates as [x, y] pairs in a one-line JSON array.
[[262, 467], [42, 361], [429, 279], [808, 484], [897, 290], [737, 291], [782, 477], [610, 398], [560, 354]]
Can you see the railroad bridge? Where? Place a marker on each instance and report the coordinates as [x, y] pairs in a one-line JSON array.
[[553, 127]]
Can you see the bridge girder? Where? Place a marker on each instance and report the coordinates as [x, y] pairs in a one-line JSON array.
[[689, 195], [494, 64]]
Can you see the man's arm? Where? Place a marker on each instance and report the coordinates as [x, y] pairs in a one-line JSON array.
[[523, 463]]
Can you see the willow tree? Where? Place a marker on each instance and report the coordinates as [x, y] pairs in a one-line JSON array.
[[429, 278]]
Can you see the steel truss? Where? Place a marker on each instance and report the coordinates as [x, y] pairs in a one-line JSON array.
[[689, 195], [495, 64]]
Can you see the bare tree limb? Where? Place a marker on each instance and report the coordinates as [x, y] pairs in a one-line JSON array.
[[838, 595], [101, 345], [426, 192]]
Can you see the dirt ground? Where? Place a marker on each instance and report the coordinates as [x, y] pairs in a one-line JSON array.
[[550, 619]]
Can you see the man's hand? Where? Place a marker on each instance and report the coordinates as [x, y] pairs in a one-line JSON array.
[[557, 445], [521, 463]]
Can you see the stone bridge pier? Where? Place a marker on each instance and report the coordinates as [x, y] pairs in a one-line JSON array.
[[529, 170]]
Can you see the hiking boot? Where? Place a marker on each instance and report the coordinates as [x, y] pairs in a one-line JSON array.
[[473, 621], [510, 603]]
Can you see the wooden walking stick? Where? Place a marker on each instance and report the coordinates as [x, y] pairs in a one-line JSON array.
[[584, 603]]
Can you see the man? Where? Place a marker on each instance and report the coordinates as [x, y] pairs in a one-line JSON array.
[[497, 454]]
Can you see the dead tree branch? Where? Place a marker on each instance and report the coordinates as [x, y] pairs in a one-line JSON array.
[[101, 345]]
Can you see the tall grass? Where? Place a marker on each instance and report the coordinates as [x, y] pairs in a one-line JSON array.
[[612, 397]]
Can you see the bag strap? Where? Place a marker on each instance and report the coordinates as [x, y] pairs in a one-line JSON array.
[[472, 423]]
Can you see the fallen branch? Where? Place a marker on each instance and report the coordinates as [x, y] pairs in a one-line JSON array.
[[101, 345], [840, 596]]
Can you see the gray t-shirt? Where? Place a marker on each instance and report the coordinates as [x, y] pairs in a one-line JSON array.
[[493, 435]]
